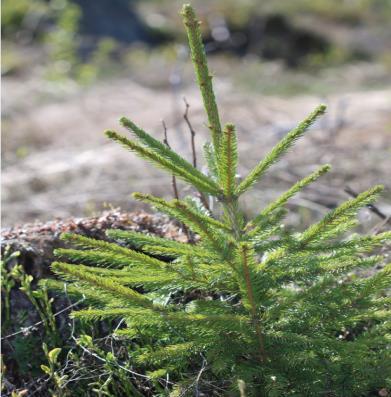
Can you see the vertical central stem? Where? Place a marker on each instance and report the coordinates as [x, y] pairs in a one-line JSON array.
[[204, 78], [234, 216], [232, 213], [250, 294]]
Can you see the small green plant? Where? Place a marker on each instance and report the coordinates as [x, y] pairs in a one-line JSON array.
[[7, 283], [52, 370], [15, 276], [114, 379], [248, 307], [40, 299], [23, 338]]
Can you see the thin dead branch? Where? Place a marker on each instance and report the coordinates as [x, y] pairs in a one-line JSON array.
[[192, 132], [371, 207], [193, 149], [173, 180]]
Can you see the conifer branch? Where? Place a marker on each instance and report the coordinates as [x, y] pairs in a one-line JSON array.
[[200, 223], [181, 209], [89, 295], [103, 246], [211, 162], [97, 314], [293, 190], [138, 275], [265, 225], [106, 271], [167, 353], [228, 160], [372, 207], [138, 240], [282, 147], [342, 213], [334, 223], [200, 181], [209, 318], [378, 282], [204, 78], [358, 244], [108, 285], [163, 150], [183, 206], [177, 252], [282, 200], [244, 252], [96, 258]]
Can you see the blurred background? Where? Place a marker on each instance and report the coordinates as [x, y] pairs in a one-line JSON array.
[[71, 68]]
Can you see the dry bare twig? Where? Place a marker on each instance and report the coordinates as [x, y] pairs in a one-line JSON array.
[[193, 149]]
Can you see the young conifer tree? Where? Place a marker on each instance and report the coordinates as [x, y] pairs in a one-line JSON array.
[[266, 312]]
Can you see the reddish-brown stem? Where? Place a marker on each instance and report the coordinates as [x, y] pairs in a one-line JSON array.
[[230, 178]]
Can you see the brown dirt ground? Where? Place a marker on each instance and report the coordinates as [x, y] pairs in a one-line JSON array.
[[57, 162]]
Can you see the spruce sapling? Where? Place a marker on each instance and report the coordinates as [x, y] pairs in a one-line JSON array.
[[267, 311]]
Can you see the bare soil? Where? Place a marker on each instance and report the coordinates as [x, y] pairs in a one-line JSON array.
[[57, 162]]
